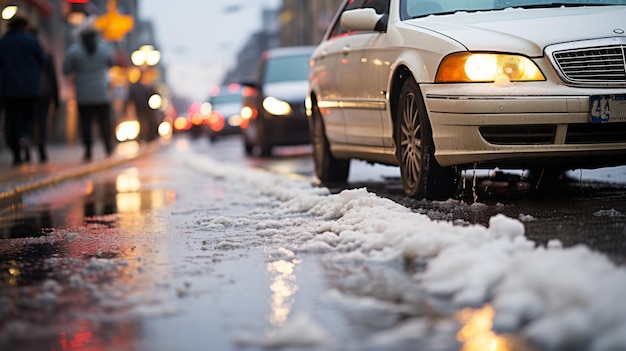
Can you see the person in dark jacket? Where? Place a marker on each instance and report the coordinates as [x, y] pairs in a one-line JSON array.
[[21, 62], [49, 98], [139, 94], [89, 61]]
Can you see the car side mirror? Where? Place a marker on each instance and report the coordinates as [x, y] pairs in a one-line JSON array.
[[365, 19]]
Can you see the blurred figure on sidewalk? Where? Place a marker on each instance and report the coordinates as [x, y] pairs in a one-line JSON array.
[[89, 60], [49, 98], [137, 105], [21, 62]]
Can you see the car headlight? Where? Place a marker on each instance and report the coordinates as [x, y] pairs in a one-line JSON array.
[[127, 130], [276, 107], [486, 67], [155, 101]]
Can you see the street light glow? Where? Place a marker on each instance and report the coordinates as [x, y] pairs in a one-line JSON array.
[[154, 101], [8, 12], [146, 55], [153, 57]]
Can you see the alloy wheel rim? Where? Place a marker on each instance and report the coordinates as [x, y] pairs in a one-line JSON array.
[[411, 145]]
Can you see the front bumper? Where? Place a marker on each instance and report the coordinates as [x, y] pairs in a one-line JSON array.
[[539, 125], [287, 130]]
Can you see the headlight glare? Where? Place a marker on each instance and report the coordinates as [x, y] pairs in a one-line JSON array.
[[276, 107], [485, 67]]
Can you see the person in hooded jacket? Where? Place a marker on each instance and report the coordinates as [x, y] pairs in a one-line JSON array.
[[89, 60], [21, 62]]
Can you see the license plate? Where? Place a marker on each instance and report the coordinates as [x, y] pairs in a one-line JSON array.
[[608, 108]]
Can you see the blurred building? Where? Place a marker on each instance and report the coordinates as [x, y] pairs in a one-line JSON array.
[[304, 22], [295, 23], [266, 38]]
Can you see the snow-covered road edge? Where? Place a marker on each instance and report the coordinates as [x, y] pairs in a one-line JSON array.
[[553, 295]]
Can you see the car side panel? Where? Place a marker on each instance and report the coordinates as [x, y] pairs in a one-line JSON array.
[[324, 82], [364, 102]]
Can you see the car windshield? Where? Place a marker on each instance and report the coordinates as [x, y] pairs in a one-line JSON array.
[[226, 99], [287, 68], [420, 8]]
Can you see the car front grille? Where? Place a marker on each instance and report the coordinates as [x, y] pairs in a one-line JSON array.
[[596, 133], [591, 62], [519, 135], [587, 133]]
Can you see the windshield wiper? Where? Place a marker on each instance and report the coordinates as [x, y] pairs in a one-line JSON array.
[[535, 6], [445, 13], [558, 4]]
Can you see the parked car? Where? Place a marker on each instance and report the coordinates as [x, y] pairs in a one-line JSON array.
[[441, 86], [273, 102], [224, 107]]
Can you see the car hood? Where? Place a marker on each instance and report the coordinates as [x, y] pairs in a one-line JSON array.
[[526, 31], [287, 91]]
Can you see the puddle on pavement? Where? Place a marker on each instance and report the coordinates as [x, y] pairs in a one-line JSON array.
[[80, 203], [60, 268]]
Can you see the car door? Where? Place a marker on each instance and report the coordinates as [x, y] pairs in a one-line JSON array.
[[362, 77], [332, 90]]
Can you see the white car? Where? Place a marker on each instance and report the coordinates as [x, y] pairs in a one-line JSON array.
[[440, 86]]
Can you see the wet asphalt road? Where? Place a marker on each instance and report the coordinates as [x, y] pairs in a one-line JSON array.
[[131, 244]]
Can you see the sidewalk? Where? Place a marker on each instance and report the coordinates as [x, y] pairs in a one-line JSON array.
[[65, 161]]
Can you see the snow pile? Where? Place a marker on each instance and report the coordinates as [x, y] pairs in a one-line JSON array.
[[553, 295]]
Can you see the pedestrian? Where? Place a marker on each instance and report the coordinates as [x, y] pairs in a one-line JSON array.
[[89, 60], [139, 94], [49, 98], [21, 62]]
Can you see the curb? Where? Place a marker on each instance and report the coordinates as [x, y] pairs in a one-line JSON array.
[[12, 194]]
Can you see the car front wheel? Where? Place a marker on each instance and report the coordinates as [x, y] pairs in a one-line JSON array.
[[327, 168], [422, 176]]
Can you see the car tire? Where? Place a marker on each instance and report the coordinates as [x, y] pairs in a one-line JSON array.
[[422, 176], [265, 149], [247, 148], [260, 139], [328, 169]]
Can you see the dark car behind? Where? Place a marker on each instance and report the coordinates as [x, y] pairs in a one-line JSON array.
[[224, 118], [273, 103]]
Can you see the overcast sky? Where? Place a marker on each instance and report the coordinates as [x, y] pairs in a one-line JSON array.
[[199, 38]]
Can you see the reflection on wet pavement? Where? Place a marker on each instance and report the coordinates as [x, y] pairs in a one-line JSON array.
[[71, 251], [477, 334], [283, 288], [73, 204]]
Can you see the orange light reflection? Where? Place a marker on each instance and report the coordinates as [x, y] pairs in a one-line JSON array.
[[477, 332]]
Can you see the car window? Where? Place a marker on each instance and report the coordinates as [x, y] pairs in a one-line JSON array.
[[287, 68], [226, 99], [381, 6], [420, 8]]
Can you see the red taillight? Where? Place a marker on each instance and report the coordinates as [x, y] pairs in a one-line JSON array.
[[181, 123], [216, 121], [197, 119], [249, 91]]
